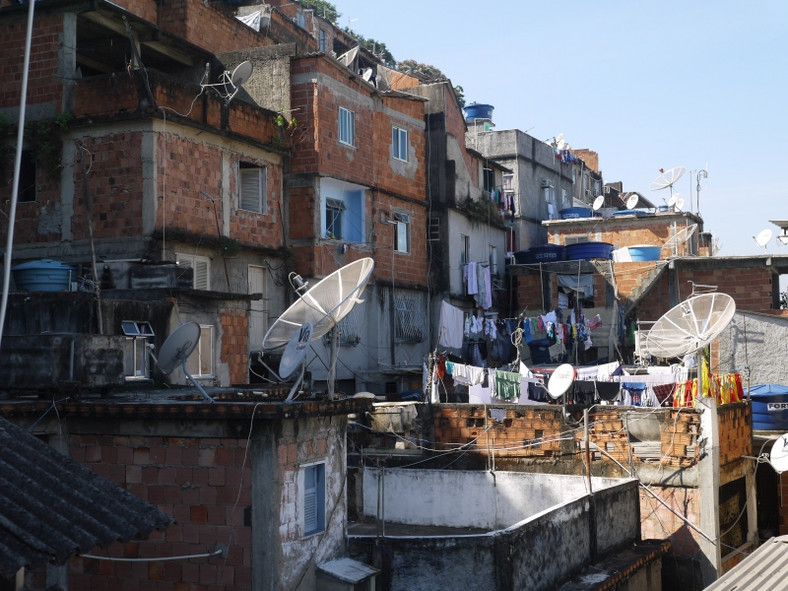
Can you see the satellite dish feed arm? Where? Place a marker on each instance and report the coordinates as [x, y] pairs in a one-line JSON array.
[[195, 383]]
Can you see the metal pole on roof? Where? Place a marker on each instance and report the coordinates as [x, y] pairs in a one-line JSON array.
[[20, 138]]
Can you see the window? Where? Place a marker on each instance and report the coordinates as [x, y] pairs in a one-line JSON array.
[[314, 487], [200, 362], [27, 177], [409, 321], [465, 249], [401, 232], [399, 143], [301, 19], [252, 188], [322, 40], [342, 210], [348, 330], [136, 363], [347, 126], [334, 211], [488, 180], [201, 266]]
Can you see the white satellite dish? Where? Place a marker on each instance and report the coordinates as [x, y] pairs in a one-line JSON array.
[[679, 206], [322, 307], [560, 380], [690, 326], [295, 351], [680, 237], [778, 457], [632, 201], [672, 200], [667, 179], [176, 350], [598, 203], [229, 83], [763, 238]]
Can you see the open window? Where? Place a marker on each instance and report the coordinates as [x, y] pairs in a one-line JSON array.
[[399, 143], [200, 362], [347, 126], [201, 266], [314, 498], [136, 361], [342, 210], [401, 223]]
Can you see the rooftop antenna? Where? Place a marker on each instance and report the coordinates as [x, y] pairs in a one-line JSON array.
[[321, 308], [702, 174], [667, 179], [176, 350], [229, 83], [763, 237]]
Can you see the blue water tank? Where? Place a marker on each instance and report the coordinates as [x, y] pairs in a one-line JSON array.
[[478, 111], [588, 250], [43, 275], [769, 407]]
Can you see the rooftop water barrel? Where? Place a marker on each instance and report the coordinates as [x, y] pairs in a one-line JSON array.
[[588, 250], [545, 253], [478, 111], [769, 407], [644, 252], [571, 213], [43, 275]]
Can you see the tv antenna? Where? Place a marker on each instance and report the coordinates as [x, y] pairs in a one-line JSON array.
[[176, 350], [763, 237], [229, 83], [690, 326], [667, 179], [632, 201], [320, 307]]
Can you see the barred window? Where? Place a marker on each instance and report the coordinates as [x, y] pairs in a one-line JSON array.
[[409, 324], [348, 331]]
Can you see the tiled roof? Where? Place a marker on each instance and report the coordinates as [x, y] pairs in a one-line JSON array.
[[51, 507]]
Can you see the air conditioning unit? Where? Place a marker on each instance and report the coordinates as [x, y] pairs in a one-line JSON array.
[[546, 184]]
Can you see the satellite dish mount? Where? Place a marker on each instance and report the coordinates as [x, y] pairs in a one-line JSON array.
[[176, 350], [229, 83]]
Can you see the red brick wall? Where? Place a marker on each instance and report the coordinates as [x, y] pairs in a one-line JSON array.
[[401, 268], [235, 344], [203, 483]]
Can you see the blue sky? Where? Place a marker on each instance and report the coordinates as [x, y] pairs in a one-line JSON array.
[[647, 85]]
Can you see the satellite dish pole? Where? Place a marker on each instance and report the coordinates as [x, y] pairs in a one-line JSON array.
[[702, 174]]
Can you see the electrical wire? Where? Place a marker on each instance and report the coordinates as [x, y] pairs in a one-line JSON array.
[[216, 552]]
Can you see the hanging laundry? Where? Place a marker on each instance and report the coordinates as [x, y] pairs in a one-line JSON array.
[[507, 385], [472, 280], [451, 326]]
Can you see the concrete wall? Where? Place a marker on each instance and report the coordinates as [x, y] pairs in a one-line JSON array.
[[538, 552], [755, 340]]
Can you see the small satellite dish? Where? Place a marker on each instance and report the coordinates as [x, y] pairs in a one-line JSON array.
[[559, 382], [229, 83], [295, 351], [632, 201], [241, 74], [322, 307], [778, 457], [598, 203], [667, 179], [679, 206], [690, 326], [176, 350], [763, 238], [672, 200]]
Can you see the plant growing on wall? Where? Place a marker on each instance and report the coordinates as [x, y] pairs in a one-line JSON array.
[[481, 211], [46, 138]]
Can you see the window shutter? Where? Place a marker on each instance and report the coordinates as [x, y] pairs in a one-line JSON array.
[[200, 274], [252, 189]]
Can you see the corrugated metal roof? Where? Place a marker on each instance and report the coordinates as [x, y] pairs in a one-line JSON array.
[[766, 569], [51, 507]]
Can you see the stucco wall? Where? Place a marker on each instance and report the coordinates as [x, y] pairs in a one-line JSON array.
[[756, 341]]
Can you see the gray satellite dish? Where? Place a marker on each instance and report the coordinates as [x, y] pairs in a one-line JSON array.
[[295, 351], [176, 350], [778, 457], [322, 306], [690, 326], [229, 83], [632, 201], [763, 238], [598, 203], [560, 380]]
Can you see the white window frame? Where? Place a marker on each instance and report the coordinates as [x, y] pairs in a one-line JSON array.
[[399, 143], [335, 211], [409, 320], [252, 188], [401, 223], [201, 266], [312, 479], [347, 127], [138, 334], [200, 362]]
